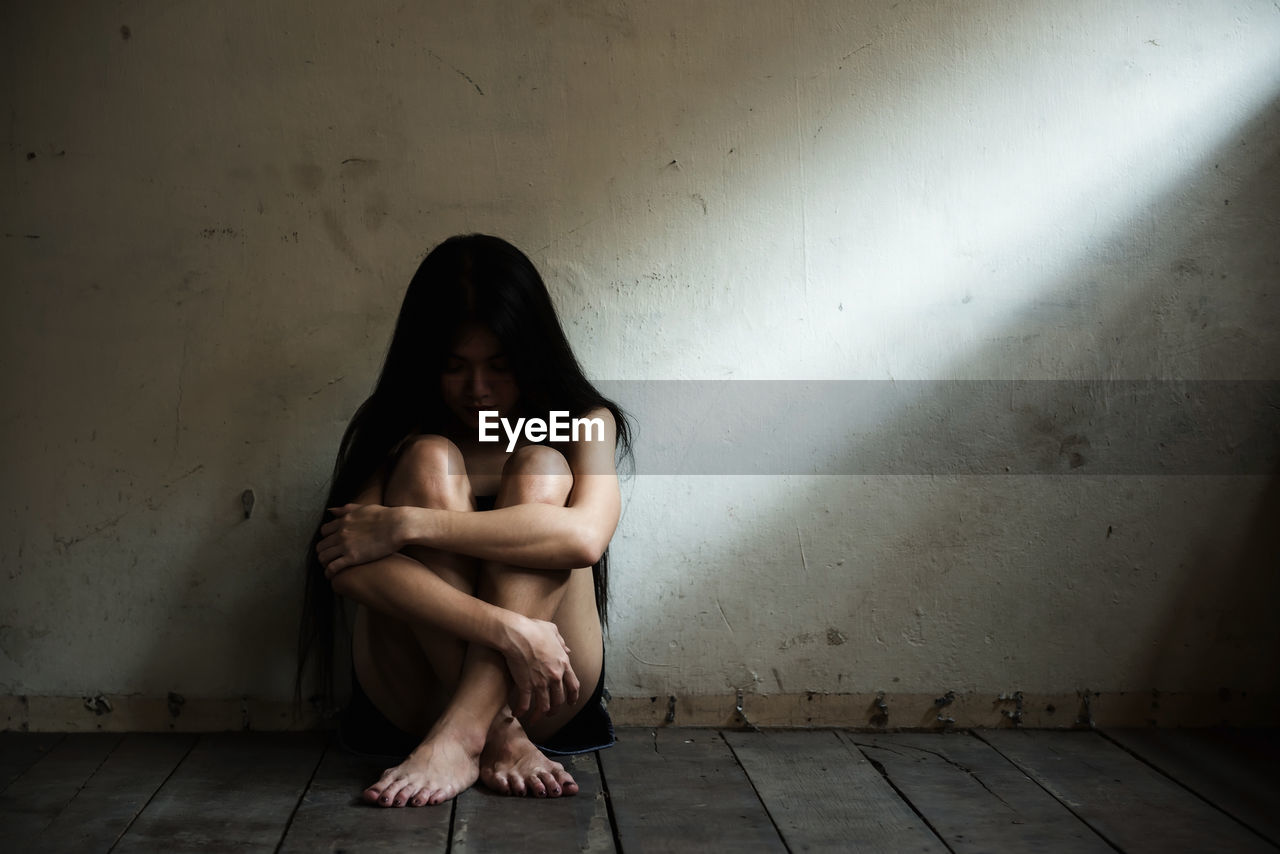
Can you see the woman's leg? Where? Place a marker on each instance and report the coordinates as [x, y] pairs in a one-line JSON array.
[[510, 763], [410, 669], [400, 685]]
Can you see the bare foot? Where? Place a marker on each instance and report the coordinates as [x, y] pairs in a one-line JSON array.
[[511, 765], [438, 769]]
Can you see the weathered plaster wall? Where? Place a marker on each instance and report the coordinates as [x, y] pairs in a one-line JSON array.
[[210, 214]]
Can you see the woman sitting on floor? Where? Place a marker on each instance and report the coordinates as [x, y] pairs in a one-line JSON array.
[[478, 568]]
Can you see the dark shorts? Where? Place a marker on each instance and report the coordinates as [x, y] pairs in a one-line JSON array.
[[365, 730]]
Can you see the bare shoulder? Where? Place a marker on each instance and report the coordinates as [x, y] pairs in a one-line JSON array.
[[595, 471], [603, 413], [592, 451], [601, 429]]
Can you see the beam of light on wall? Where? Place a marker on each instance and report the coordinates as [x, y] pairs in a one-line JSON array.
[[992, 194]]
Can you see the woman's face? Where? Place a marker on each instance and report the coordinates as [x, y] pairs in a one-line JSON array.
[[476, 376]]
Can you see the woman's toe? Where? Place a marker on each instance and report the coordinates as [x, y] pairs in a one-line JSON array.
[[550, 783], [374, 793], [566, 781]]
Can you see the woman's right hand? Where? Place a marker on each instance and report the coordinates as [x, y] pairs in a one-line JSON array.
[[538, 659]]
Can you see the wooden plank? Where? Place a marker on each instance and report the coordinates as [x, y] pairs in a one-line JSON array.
[[234, 791], [1263, 742], [973, 797], [20, 750], [825, 797], [112, 798], [1232, 769], [486, 821], [1135, 807], [31, 802], [333, 816], [682, 790]]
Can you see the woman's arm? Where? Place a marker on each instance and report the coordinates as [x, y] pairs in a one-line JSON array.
[[538, 536], [398, 587], [535, 652]]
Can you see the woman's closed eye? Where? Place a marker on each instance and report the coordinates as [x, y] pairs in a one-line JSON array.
[[498, 365]]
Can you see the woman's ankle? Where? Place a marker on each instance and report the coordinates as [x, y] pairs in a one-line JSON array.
[[460, 729]]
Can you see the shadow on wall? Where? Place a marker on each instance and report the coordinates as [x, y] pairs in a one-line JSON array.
[[1174, 600], [1220, 628]]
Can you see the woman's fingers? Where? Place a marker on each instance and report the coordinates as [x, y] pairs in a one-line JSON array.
[[538, 704], [561, 692], [572, 686], [334, 524], [555, 695], [334, 561], [542, 672], [328, 541], [523, 696]]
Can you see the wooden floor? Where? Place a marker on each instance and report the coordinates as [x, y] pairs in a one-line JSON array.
[[669, 789]]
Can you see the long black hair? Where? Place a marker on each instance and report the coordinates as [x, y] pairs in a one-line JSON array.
[[471, 278]]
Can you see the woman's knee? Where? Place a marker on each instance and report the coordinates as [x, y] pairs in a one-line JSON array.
[[536, 474], [429, 471]]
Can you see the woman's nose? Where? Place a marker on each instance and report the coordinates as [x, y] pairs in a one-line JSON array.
[[480, 384]]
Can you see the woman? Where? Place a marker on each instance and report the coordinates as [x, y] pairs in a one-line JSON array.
[[478, 568]]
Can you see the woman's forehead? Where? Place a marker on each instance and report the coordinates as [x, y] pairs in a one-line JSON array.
[[476, 342]]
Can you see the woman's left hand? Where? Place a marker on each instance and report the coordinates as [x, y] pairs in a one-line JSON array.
[[361, 533]]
